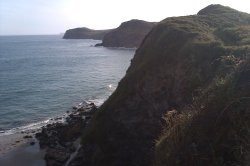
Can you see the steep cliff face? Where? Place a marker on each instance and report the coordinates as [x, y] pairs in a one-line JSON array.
[[85, 33], [183, 61], [129, 34]]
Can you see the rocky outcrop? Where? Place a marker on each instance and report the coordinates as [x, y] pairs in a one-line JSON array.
[[129, 34], [60, 139], [85, 33], [197, 65]]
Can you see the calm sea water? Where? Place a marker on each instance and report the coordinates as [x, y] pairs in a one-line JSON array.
[[44, 76]]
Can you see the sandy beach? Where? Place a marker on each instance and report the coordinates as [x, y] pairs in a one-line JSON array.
[[17, 151]]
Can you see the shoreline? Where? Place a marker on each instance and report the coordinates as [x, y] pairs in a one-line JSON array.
[[16, 150], [61, 141], [54, 143], [10, 142]]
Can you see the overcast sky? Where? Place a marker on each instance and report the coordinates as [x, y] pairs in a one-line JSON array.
[[20, 17]]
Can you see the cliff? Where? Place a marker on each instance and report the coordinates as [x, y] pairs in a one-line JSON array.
[[85, 33], [129, 34], [185, 98]]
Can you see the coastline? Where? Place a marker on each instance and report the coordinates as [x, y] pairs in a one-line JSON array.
[[55, 143], [8, 143], [16, 150], [97, 86]]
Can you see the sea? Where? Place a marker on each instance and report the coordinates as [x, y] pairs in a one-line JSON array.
[[44, 76]]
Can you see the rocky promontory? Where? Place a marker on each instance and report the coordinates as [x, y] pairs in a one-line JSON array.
[[129, 34], [85, 33], [185, 98]]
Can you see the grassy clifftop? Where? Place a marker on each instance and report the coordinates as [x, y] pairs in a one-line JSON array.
[[197, 66], [129, 34]]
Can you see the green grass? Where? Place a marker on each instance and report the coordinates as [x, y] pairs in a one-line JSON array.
[[218, 126], [198, 65]]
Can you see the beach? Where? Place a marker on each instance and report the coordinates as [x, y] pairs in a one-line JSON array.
[[15, 150]]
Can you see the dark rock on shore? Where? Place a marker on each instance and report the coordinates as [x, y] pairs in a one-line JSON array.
[[129, 34], [32, 143], [27, 136], [58, 138], [85, 33], [56, 157]]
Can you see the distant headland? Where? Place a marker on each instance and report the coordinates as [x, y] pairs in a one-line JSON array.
[[85, 33], [128, 35]]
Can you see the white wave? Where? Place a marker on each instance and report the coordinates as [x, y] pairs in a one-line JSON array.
[[33, 126], [97, 102], [38, 125]]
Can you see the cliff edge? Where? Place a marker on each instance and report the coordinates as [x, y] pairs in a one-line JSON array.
[[129, 34], [184, 99]]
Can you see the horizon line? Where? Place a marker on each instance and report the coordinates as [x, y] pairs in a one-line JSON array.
[[30, 34]]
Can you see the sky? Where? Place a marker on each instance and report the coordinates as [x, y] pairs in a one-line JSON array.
[[30, 17]]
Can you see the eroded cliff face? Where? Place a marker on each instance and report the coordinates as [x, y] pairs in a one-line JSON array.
[[179, 61], [129, 34]]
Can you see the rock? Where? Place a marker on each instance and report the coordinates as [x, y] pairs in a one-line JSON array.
[[87, 117], [38, 135], [32, 143], [56, 157], [58, 118], [59, 137], [27, 136], [81, 109]]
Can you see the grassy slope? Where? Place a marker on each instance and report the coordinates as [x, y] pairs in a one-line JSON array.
[[129, 34], [214, 128], [181, 62]]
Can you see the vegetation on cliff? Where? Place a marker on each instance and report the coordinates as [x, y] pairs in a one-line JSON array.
[[129, 34], [185, 98], [85, 33]]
